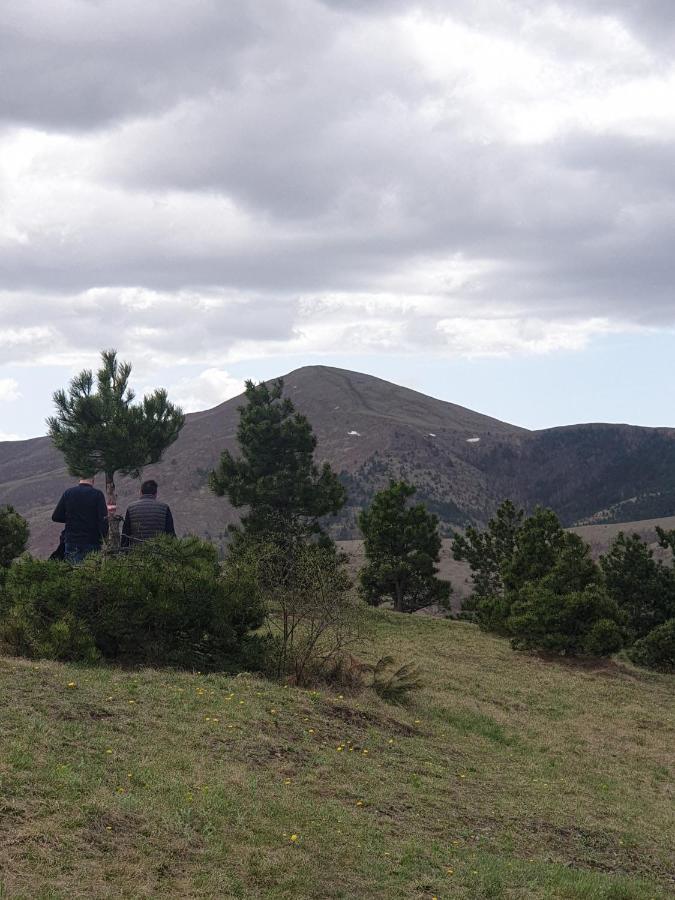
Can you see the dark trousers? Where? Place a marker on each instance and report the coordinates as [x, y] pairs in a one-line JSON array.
[[75, 553]]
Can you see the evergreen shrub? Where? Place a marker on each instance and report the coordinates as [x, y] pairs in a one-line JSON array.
[[657, 649], [579, 622], [166, 602]]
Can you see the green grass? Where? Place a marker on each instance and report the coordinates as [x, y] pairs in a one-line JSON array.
[[507, 777]]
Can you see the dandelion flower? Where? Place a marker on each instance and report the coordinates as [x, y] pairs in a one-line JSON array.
[[108, 751], [72, 684], [359, 802], [365, 752], [294, 838], [287, 781]]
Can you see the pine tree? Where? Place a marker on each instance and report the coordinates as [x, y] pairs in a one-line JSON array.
[[402, 546], [275, 476], [643, 587], [488, 552], [99, 428]]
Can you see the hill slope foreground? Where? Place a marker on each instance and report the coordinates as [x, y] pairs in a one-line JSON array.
[[508, 776], [370, 430]]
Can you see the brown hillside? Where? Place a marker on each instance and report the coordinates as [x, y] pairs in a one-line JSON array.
[[370, 430]]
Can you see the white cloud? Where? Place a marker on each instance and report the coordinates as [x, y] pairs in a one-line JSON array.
[[9, 390], [209, 388], [235, 181]]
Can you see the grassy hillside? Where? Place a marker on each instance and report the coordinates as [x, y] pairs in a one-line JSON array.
[[508, 777]]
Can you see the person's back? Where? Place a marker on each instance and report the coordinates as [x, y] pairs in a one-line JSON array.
[[82, 509], [146, 517]]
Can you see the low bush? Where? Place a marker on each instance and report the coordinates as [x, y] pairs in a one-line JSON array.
[[583, 622], [165, 603], [657, 649], [14, 534]]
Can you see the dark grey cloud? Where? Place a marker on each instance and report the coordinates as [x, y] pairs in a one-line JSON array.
[[79, 64], [270, 155], [653, 21]]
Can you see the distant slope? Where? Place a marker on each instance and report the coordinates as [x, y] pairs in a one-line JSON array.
[[371, 430]]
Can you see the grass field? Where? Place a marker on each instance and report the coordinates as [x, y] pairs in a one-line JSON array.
[[507, 777]]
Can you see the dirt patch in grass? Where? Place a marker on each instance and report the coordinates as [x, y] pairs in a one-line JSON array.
[[359, 718]]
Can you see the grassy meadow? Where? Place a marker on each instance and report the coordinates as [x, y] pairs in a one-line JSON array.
[[508, 776]]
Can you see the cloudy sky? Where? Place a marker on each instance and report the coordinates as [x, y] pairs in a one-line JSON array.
[[475, 198]]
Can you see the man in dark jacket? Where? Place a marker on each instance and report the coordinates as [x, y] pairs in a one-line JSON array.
[[82, 509], [146, 517]]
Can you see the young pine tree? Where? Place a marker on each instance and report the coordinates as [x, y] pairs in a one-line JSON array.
[[488, 552], [276, 477], [99, 428], [402, 546], [643, 587]]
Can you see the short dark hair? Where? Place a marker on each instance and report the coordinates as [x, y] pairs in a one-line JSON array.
[[149, 486]]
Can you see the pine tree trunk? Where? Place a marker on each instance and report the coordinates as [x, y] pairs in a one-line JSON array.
[[113, 518], [398, 600]]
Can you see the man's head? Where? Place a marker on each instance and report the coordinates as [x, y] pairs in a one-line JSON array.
[[149, 488]]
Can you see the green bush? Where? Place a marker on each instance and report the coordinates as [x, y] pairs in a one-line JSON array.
[[165, 603], [657, 649], [578, 622], [492, 614], [14, 534]]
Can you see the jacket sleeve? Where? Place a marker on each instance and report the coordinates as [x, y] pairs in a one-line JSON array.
[[59, 514], [168, 525], [102, 515]]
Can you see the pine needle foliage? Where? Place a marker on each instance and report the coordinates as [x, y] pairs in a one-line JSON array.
[[14, 534], [276, 476], [98, 427], [402, 546]]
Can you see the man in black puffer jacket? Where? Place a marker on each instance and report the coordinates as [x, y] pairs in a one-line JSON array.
[[146, 517]]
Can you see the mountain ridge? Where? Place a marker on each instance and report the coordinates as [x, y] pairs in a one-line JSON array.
[[370, 430]]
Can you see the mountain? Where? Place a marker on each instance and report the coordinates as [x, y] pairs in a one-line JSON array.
[[370, 430]]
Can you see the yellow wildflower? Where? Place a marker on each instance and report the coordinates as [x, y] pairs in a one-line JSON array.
[[294, 838]]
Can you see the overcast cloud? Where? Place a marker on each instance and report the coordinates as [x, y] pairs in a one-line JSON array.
[[203, 182]]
